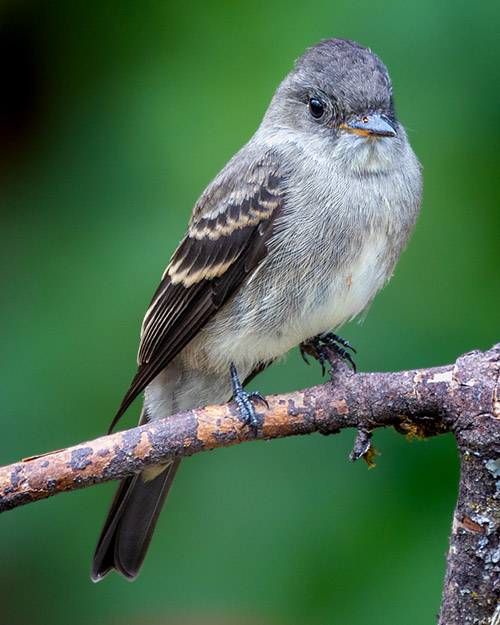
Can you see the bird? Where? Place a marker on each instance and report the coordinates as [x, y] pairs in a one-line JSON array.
[[293, 238]]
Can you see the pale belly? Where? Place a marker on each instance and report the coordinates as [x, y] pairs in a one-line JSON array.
[[262, 324]]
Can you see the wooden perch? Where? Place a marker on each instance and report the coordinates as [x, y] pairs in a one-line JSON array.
[[462, 398]]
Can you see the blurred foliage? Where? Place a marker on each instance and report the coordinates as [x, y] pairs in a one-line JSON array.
[[114, 117]]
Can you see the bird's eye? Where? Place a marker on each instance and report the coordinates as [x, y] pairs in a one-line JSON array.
[[316, 108]]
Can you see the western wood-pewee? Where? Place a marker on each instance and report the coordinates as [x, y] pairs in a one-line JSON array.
[[292, 238]]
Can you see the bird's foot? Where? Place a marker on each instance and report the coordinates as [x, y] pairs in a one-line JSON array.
[[318, 345], [244, 401]]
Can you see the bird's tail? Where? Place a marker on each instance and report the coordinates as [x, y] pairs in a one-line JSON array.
[[131, 521]]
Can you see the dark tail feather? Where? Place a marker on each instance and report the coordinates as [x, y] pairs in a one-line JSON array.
[[130, 524]]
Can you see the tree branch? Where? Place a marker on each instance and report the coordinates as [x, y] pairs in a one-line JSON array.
[[463, 398]]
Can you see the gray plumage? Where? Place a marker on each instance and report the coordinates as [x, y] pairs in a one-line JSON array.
[[294, 237]]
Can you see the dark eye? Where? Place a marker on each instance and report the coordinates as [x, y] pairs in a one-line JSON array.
[[316, 108]]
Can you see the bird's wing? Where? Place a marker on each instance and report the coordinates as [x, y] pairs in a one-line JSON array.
[[225, 241]]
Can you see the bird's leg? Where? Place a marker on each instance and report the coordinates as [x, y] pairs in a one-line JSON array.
[[316, 345], [244, 400]]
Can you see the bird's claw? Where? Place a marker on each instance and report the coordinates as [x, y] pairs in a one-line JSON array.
[[303, 354], [244, 401], [318, 343]]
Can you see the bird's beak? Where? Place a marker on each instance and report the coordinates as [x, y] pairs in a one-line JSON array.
[[372, 125]]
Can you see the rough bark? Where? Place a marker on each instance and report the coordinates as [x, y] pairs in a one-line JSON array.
[[462, 398]]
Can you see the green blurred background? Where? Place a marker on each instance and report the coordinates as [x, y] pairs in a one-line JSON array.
[[114, 117]]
